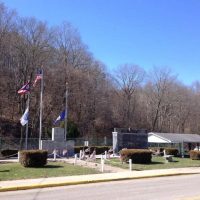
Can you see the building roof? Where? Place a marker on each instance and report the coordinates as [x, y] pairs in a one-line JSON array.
[[174, 137]]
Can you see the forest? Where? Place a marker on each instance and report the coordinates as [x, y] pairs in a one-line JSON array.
[[98, 100]]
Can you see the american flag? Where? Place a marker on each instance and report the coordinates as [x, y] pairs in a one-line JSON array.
[[38, 77], [25, 89]]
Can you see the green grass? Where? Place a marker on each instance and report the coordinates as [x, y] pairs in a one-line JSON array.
[[14, 171], [157, 163]]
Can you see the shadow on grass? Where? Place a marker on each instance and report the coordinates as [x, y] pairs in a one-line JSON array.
[[174, 161], [52, 166], [47, 167], [4, 170], [155, 163]]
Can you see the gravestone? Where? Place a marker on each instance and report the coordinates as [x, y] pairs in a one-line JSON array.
[[130, 139], [58, 143]]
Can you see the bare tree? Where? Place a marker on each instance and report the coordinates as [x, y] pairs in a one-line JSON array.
[[158, 91], [128, 78]]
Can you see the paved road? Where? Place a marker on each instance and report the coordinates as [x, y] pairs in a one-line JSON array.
[[163, 188]]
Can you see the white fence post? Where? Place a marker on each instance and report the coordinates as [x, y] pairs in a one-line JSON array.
[[105, 154], [102, 165], [130, 164], [75, 158], [80, 154], [101, 157], [18, 156]]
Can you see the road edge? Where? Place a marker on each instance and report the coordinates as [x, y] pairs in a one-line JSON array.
[[67, 183]]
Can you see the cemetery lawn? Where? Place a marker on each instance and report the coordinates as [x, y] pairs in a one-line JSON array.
[[15, 171], [157, 163]]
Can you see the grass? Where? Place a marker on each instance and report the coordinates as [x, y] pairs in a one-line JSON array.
[[14, 171], [157, 163]]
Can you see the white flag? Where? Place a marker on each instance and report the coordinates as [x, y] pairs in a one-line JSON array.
[[24, 118]]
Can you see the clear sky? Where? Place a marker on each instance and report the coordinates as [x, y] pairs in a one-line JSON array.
[[143, 32]]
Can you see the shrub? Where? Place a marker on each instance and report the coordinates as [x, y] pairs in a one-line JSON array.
[[137, 155], [33, 158], [194, 155], [9, 152], [100, 149], [78, 148], [171, 151]]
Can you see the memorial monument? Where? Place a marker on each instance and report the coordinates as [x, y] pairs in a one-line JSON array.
[[129, 138], [58, 143]]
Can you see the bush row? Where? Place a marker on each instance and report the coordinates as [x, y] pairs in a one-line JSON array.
[[171, 151], [168, 151], [194, 155], [33, 158], [159, 149], [137, 155], [9, 152]]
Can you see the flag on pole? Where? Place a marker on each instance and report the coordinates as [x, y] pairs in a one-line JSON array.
[[61, 117], [24, 118], [38, 77], [25, 89]]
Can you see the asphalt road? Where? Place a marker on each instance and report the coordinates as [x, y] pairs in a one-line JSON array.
[[163, 188]]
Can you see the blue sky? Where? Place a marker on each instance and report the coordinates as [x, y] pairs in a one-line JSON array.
[[162, 33]]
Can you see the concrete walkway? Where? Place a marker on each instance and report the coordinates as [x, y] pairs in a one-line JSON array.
[[97, 166]]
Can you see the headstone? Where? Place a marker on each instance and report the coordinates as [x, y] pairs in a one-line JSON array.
[[58, 143], [130, 139]]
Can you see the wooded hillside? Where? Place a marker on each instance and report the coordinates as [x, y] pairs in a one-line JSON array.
[[98, 101]]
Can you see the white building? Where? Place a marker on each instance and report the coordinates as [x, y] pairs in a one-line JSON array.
[[181, 141]]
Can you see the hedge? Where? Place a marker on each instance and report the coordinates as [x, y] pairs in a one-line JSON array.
[[137, 155], [194, 155], [33, 158], [99, 149], [9, 152], [171, 151]]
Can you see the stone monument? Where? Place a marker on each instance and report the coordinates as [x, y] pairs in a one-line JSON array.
[[58, 143], [130, 139]]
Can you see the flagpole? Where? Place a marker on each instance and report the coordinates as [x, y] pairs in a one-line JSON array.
[[41, 107], [66, 110], [26, 137]]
